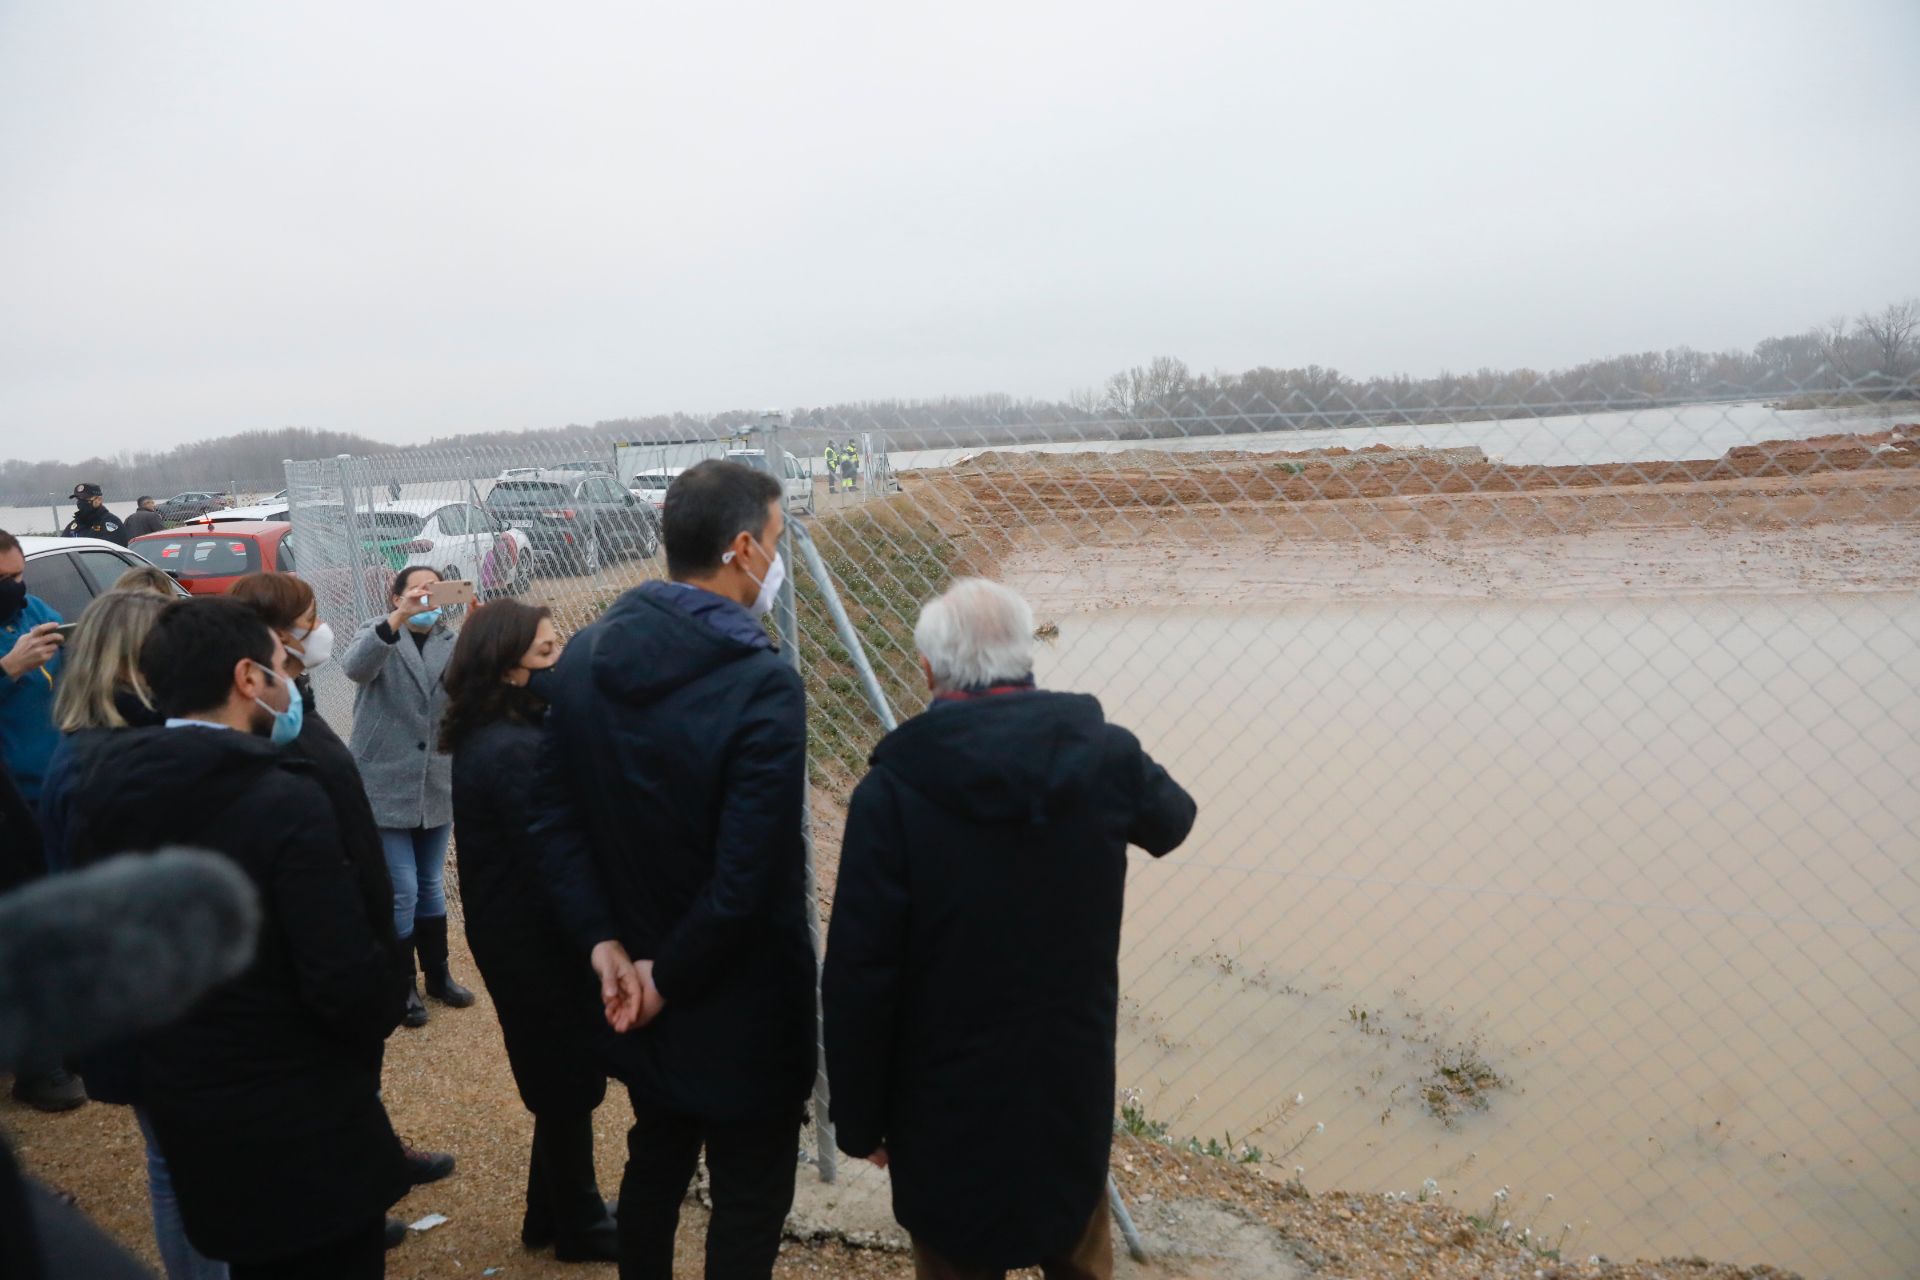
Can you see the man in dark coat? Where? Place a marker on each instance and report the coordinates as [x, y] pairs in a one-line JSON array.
[[145, 519], [669, 807], [972, 978], [264, 1098]]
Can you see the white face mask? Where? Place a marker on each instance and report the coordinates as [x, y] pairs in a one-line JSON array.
[[316, 645], [769, 585]]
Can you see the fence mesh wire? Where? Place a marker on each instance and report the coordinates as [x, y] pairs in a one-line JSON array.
[[1556, 771]]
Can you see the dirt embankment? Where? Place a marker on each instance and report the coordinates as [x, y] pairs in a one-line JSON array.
[[1145, 527]]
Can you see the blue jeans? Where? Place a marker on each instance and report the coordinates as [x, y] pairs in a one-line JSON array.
[[181, 1260], [417, 862]]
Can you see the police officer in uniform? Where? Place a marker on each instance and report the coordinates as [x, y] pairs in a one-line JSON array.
[[91, 519]]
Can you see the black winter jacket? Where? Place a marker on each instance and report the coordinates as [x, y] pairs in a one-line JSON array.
[[668, 812], [542, 987], [265, 1097], [972, 978], [332, 765], [21, 856]]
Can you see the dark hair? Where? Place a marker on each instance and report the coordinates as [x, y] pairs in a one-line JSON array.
[[280, 599], [8, 542], [400, 578], [709, 505], [189, 656], [491, 644], [145, 497]]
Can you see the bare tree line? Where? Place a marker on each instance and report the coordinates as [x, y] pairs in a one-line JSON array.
[[1875, 356]]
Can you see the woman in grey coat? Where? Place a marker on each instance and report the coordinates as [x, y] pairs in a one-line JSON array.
[[397, 662]]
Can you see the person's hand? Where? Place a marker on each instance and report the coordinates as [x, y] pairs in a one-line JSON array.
[[878, 1158], [408, 611], [620, 989], [32, 650], [652, 1002]]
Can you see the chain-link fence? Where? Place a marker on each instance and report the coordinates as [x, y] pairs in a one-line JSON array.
[[1556, 772]]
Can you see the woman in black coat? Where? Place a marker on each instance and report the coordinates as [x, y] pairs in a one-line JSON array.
[[287, 605], [542, 988]]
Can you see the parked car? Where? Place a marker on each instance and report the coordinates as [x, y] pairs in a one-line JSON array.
[[185, 506], [651, 486], [69, 572], [207, 558], [575, 521], [458, 539], [277, 511]]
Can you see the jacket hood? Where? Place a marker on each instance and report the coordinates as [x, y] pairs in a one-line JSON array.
[[187, 770], [663, 635], [1016, 757]]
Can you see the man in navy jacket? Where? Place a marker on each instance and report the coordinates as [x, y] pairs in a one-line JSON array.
[[668, 809]]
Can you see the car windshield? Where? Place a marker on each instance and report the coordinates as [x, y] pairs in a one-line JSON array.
[[528, 493], [201, 556], [652, 482]]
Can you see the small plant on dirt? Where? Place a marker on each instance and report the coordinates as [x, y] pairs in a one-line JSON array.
[[1459, 1082], [1134, 1121], [1498, 1220]]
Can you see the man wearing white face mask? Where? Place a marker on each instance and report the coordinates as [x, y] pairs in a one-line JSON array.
[[675, 705]]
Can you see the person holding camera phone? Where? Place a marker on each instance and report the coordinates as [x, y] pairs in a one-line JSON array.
[[397, 664]]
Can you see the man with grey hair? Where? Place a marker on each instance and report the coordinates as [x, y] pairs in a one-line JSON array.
[[972, 980]]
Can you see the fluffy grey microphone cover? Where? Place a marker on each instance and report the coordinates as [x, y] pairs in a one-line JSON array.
[[117, 949]]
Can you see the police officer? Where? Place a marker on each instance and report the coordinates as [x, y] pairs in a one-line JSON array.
[[91, 519]]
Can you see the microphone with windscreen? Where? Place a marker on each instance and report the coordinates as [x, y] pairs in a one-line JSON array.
[[120, 948]]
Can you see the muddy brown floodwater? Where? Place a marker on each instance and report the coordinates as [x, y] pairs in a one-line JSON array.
[[1650, 860]]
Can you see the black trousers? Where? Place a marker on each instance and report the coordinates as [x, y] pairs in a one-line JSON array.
[[753, 1164], [563, 1195], [362, 1255]]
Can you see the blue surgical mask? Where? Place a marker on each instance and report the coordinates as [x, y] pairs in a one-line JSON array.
[[424, 621], [286, 724]]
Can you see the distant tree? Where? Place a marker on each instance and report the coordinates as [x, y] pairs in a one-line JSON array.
[[1889, 336]]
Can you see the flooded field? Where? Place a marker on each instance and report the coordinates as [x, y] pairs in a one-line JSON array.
[[1651, 863]]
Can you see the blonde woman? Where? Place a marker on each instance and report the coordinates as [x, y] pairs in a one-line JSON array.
[[101, 690], [148, 578], [102, 693]]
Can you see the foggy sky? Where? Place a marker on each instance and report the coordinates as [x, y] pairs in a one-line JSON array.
[[418, 218]]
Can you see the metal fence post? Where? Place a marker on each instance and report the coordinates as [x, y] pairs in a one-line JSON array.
[[787, 621], [53, 509], [351, 519]]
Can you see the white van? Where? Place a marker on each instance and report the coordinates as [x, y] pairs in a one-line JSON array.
[[795, 479]]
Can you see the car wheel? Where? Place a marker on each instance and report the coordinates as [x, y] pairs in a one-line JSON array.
[[523, 574]]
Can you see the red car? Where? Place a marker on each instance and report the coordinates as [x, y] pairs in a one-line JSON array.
[[206, 559]]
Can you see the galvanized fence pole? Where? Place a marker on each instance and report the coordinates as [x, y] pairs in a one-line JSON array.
[[787, 620], [350, 518]]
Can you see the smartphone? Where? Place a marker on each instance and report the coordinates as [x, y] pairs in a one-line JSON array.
[[66, 629], [454, 591]]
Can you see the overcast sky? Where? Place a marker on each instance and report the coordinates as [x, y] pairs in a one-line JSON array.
[[416, 218]]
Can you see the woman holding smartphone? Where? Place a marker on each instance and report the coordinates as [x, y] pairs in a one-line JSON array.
[[397, 664]]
